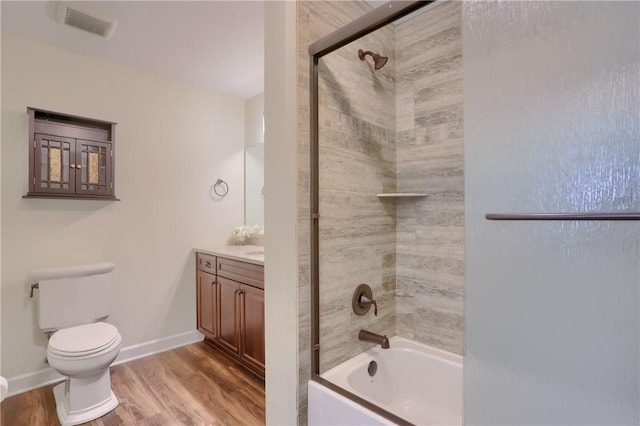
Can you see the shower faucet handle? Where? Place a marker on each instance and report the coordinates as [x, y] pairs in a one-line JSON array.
[[364, 300]]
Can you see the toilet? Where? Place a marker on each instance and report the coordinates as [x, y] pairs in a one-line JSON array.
[[73, 304]]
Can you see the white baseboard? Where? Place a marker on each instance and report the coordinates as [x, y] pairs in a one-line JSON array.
[[36, 379], [47, 376], [153, 347]]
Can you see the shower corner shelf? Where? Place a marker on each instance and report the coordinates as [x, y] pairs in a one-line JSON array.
[[403, 195]]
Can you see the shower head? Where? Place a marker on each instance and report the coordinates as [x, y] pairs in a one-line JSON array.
[[378, 60]]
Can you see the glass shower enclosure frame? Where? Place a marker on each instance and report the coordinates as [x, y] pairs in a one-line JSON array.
[[366, 24]]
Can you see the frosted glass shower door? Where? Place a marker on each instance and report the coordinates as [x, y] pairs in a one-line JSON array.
[[552, 124]]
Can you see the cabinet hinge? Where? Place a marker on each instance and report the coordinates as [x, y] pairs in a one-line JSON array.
[[34, 143], [111, 153], [34, 180], [110, 185]]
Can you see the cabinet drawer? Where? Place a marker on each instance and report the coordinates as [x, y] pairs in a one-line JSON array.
[[243, 272], [206, 263]]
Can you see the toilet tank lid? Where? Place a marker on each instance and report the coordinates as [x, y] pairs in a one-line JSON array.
[[72, 271]]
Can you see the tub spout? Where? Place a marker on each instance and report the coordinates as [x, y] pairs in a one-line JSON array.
[[367, 336]]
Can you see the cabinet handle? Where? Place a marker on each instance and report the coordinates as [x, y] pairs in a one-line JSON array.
[[207, 264], [73, 166], [78, 166], [236, 291]]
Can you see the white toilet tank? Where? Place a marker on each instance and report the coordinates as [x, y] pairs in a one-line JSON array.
[[73, 295]]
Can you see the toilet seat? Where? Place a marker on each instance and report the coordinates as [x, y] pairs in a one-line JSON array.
[[84, 340]]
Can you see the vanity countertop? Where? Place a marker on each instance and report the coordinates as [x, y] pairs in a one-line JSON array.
[[249, 254]]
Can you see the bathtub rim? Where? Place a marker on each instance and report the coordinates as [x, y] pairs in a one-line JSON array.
[[361, 401], [401, 343]]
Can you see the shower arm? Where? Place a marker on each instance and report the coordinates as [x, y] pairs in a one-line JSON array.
[[363, 53]]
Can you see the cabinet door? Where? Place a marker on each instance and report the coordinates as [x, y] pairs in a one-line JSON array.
[[229, 331], [54, 158], [93, 168], [252, 325], [207, 304]]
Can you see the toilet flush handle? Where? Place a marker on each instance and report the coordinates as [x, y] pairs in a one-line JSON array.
[[33, 287]]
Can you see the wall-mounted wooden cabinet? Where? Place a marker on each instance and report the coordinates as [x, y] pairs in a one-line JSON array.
[[230, 308], [70, 157]]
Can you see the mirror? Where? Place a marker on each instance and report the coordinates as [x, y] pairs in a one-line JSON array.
[[254, 185]]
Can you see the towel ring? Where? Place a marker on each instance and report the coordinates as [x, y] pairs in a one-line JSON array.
[[221, 188]]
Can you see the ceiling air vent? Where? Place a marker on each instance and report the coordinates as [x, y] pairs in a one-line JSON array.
[[70, 15]]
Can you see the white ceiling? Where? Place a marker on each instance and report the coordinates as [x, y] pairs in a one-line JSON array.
[[215, 44]]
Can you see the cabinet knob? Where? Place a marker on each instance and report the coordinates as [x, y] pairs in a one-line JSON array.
[[78, 166], [207, 264], [73, 166]]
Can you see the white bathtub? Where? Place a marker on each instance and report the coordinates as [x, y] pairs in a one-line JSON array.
[[416, 382]]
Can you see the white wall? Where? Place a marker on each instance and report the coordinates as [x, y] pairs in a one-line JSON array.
[[281, 171], [172, 142], [253, 113]]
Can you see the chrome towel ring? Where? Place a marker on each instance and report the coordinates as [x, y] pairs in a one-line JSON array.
[[220, 188]]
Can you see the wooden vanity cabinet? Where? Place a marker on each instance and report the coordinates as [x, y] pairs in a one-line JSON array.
[[231, 308], [229, 315], [207, 295], [252, 326], [207, 304]]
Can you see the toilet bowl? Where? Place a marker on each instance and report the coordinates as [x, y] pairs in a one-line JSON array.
[[84, 354], [73, 303]]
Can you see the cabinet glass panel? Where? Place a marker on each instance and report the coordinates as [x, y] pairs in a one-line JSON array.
[[55, 160], [65, 168], [52, 174], [44, 166], [93, 169], [94, 164]]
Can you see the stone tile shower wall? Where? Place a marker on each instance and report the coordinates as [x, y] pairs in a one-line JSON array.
[[357, 161], [430, 157]]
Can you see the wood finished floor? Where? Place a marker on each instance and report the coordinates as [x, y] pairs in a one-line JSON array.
[[192, 385]]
